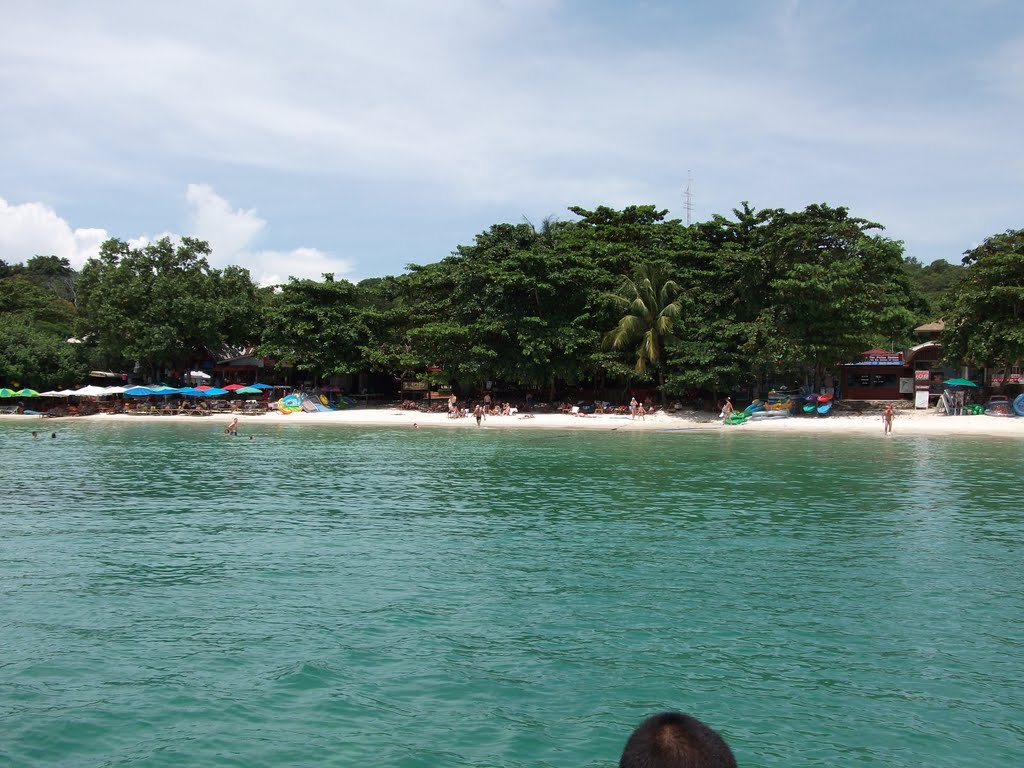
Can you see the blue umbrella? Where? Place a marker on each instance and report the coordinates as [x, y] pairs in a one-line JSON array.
[[214, 392], [261, 386], [139, 392]]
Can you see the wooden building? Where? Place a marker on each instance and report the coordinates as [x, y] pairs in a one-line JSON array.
[[877, 376]]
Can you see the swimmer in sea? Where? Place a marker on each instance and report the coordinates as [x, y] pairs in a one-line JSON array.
[[232, 428]]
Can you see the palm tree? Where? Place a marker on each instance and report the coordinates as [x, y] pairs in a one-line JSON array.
[[651, 305]]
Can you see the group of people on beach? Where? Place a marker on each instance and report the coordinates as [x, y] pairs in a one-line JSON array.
[[480, 410]]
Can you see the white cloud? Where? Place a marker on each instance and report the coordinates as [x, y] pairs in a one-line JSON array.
[[526, 105], [35, 229], [234, 233]]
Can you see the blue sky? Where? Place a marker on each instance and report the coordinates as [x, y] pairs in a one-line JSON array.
[[358, 138]]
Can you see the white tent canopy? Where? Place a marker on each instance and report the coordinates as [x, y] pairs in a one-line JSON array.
[[58, 393], [91, 391], [199, 375]]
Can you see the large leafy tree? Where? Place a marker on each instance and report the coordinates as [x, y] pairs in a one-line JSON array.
[[985, 318], [316, 326], [652, 309], [514, 307], [35, 324], [809, 289], [161, 304]]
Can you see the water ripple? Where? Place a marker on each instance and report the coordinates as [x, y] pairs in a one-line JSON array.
[[326, 596]]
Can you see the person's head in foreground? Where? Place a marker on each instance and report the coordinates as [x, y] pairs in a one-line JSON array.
[[675, 740]]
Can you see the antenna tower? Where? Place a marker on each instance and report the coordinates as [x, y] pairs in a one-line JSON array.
[[688, 199]]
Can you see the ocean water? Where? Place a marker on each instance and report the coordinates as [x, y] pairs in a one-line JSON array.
[[170, 596]]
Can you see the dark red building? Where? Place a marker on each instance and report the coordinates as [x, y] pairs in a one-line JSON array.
[[876, 377]]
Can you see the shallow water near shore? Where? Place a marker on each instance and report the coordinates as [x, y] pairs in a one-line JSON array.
[[341, 596]]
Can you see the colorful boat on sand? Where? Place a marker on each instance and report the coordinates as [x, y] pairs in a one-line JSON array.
[[999, 405]]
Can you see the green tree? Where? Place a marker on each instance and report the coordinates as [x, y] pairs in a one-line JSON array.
[[316, 326], [985, 318], [34, 328], [516, 307], [652, 309], [32, 357], [158, 305], [933, 283]]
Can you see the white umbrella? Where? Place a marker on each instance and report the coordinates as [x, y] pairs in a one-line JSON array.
[[90, 391], [113, 390], [199, 375]]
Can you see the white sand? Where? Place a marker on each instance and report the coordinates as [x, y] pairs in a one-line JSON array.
[[907, 422]]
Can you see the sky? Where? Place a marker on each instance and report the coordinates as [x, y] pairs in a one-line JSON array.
[[359, 138]]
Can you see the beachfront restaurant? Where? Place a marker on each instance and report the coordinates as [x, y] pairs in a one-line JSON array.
[[879, 375]]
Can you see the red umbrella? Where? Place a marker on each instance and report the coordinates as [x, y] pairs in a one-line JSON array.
[[233, 387], [204, 387]]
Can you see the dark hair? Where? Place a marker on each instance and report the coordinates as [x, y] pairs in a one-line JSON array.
[[675, 740]]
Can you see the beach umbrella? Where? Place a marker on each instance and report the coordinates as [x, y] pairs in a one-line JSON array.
[[210, 392], [113, 390], [233, 387], [5, 392], [261, 386], [90, 391], [139, 392], [960, 383], [58, 393], [27, 393], [249, 391]]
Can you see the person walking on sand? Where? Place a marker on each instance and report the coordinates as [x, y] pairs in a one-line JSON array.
[[632, 408], [727, 409], [478, 412], [887, 415]]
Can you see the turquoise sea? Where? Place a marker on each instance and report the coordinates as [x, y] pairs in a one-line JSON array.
[[326, 596]]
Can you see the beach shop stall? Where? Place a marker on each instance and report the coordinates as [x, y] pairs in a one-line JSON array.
[[876, 376]]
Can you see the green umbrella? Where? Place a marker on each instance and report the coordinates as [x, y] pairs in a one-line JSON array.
[[960, 383], [5, 392], [27, 393], [248, 391]]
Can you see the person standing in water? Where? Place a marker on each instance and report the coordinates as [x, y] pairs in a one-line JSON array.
[[887, 415], [232, 428]]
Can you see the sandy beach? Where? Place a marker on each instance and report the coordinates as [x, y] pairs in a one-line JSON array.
[[907, 422]]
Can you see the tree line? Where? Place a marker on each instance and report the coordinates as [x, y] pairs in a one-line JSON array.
[[611, 298]]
